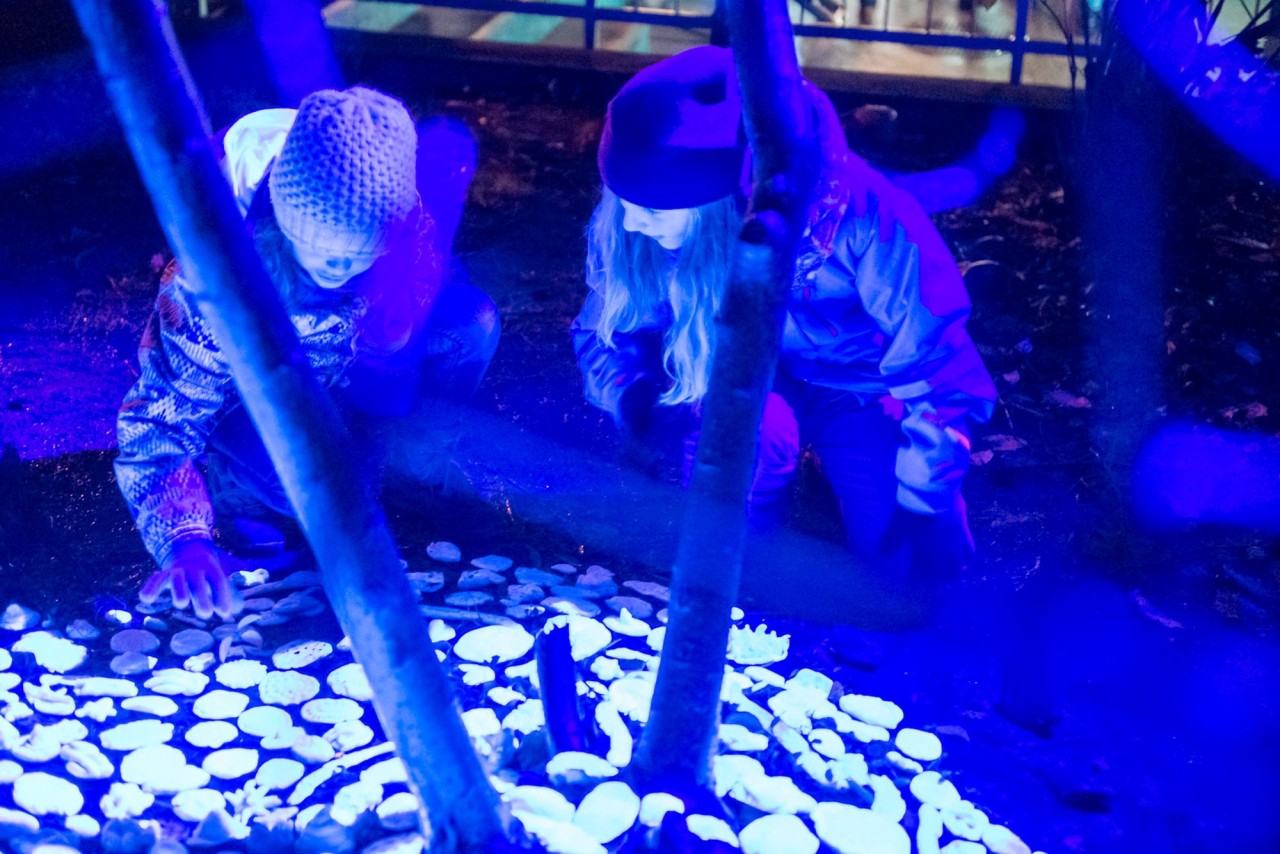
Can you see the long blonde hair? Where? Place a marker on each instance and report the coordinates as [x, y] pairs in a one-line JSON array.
[[637, 280]]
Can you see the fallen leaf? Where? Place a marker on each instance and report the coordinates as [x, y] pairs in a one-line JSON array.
[[1001, 442], [1012, 377], [1149, 611], [981, 458], [1058, 397]]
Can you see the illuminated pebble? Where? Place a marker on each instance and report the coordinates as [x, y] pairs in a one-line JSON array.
[[190, 642], [525, 612], [132, 663], [608, 811], [572, 766], [903, 762], [929, 788], [134, 640], [240, 674], [19, 618], [541, 801], [637, 607], [81, 630], [284, 739], [136, 734], [526, 718], [606, 669], [262, 721], [764, 676], [586, 636], [279, 773], [655, 805], [219, 705], [872, 710], [501, 695], [440, 631], [827, 743], [426, 582], [468, 598], [738, 737], [44, 794], [711, 829], [655, 638], [538, 577], [161, 770], [736, 614], [651, 589], [350, 681], [173, 682], [9, 770], [98, 710], [493, 563], [571, 606], [966, 821], [49, 701], [331, 711], [55, 654], [200, 663], [757, 646], [867, 733], [231, 763], [523, 593], [17, 822], [633, 696], [83, 825], [476, 674], [626, 624], [849, 829], [1001, 840], [776, 834], [84, 760], [445, 552], [493, 643], [211, 734], [349, 735], [196, 804], [125, 800], [888, 801], [481, 722], [386, 773], [287, 688], [472, 579], [918, 744], [300, 653], [151, 704], [398, 812], [312, 750]]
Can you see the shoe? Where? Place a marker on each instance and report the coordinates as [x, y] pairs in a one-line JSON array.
[[250, 537]]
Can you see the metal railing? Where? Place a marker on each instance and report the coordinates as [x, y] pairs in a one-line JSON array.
[[1019, 43]]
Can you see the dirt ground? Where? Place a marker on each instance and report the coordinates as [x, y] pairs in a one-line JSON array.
[[1156, 653]]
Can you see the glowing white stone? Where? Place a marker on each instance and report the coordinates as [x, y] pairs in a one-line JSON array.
[[445, 552], [240, 674], [655, 805], [84, 760], [757, 646], [476, 674], [348, 735], [44, 794], [55, 654], [350, 681], [279, 773], [196, 804], [930, 788], [312, 750], [872, 710], [211, 734], [1001, 840], [648, 588], [263, 721], [966, 821], [778, 834], [300, 653], [571, 766], [136, 734], [586, 636], [190, 642], [888, 800], [331, 711], [738, 737], [174, 681], [852, 830], [711, 829], [625, 624], [134, 640], [162, 770], [608, 811], [493, 643], [151, 704], [231, 763], [220, 705], [561, 837], [287, 688], [918, 744], [398, 812], [125, 800], [541, 801]]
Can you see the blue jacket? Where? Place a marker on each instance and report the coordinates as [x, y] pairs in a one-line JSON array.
[[878, 307]]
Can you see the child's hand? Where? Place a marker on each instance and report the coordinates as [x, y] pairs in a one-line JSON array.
[[194, 574]]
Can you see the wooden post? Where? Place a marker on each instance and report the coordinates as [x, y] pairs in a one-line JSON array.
[[681, 737], [334, 499]]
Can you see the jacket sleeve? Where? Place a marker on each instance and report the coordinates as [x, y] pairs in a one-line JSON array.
[[165, 421], [607, 371], [911, 287]]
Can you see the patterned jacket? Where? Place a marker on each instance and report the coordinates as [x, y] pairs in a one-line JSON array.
[[185, 383], [878, 307]]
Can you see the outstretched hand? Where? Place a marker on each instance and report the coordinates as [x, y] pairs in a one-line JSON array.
[[194, 574]]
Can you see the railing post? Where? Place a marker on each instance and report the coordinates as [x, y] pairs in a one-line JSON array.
[[589, 25], [1019, 41]]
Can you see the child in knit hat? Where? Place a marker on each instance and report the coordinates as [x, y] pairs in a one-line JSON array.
[[330, 194], [876, 373]]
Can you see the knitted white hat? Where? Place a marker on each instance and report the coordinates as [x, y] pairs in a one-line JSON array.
[[344, 181]]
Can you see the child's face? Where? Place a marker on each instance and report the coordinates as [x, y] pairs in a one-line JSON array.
[[331, 271], [669, 227]]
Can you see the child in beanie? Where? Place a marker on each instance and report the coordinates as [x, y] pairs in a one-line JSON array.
[[330, 194], [876, 372]]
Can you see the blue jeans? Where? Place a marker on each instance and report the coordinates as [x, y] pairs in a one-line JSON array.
[[385, 409], [856, 441]]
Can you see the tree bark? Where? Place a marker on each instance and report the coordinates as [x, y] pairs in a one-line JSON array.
[[151, 91], [680, 739]]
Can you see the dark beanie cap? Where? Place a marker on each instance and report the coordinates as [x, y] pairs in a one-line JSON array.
[[673, 134]]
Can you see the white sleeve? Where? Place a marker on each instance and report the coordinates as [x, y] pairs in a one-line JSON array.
[[249, 147]]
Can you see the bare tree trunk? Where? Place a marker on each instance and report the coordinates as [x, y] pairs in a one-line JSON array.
[[680, 738], [335, 502], [296, 47]]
